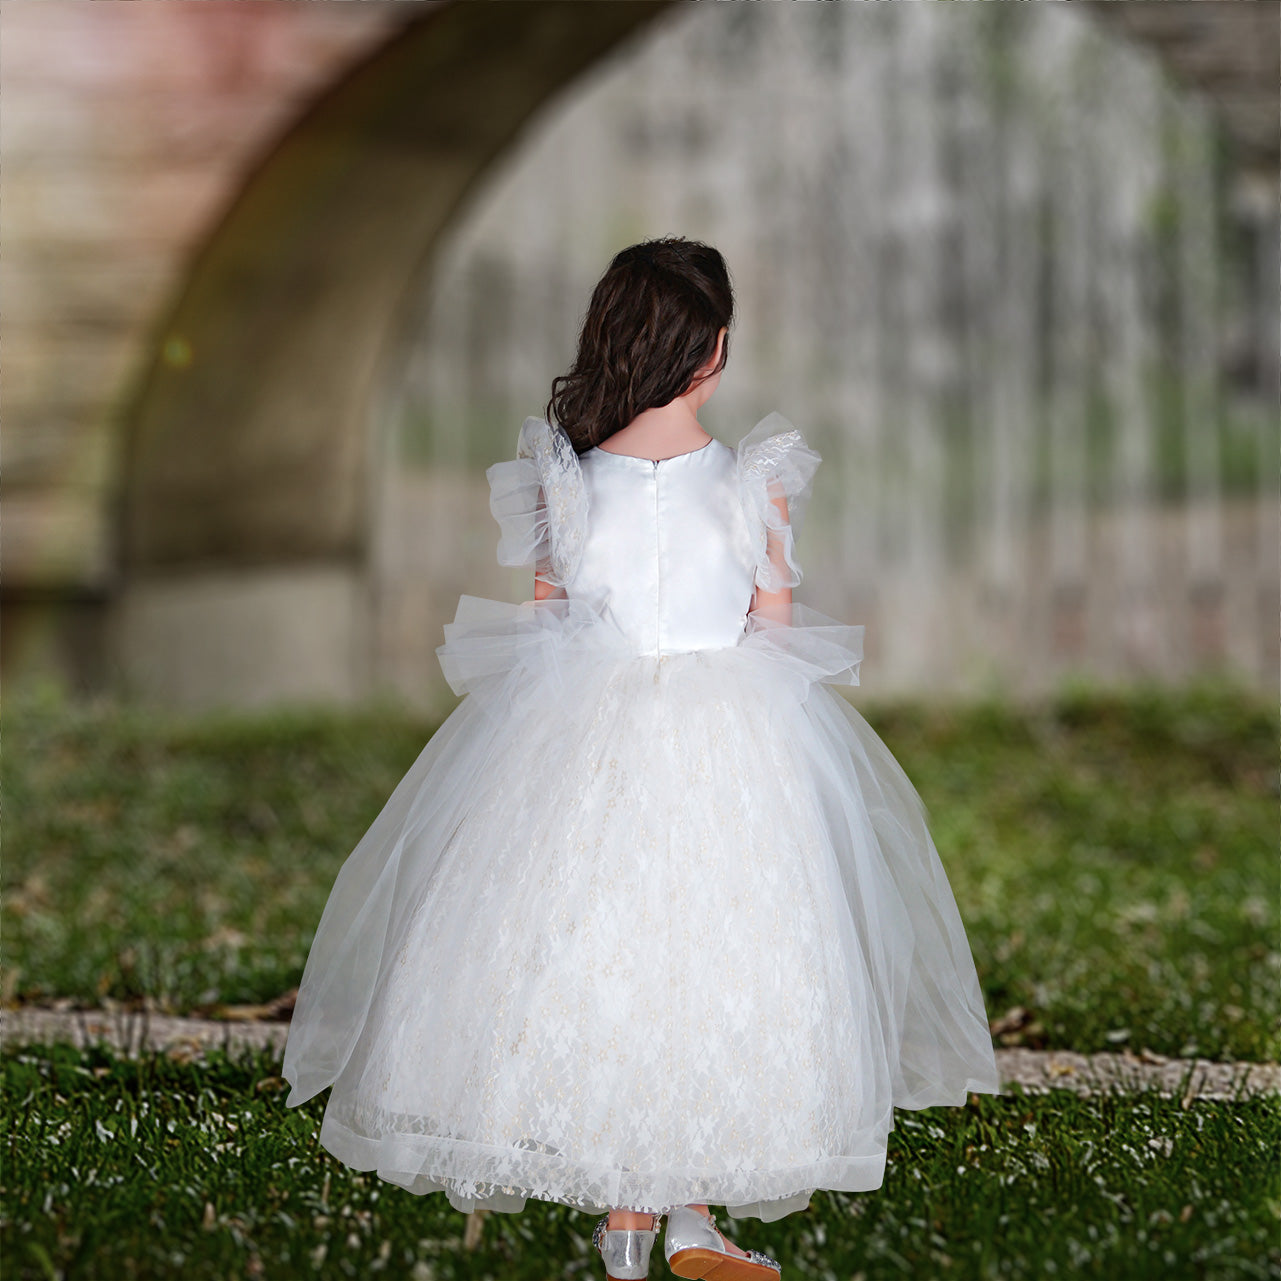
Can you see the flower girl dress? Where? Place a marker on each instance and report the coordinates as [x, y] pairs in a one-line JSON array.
[[655, 917]]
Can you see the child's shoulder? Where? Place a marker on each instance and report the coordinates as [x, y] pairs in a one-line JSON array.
[[540, 502]]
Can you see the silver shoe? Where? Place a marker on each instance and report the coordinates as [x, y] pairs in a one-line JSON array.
[[625, 1250], [695, 1248]]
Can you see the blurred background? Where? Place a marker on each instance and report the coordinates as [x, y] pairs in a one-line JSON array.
[[280, 281]]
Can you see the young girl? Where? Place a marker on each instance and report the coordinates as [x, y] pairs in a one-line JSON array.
[[655, 919]]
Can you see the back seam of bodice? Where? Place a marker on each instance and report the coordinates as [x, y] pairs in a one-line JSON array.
[[667, 552]]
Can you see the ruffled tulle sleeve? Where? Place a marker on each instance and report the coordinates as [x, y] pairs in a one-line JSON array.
[[540, 503], [774, 461]]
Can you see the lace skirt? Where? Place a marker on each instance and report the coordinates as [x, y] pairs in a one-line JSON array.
[[639, 930]]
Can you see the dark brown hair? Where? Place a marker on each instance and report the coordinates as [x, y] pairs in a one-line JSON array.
[[651, 323]]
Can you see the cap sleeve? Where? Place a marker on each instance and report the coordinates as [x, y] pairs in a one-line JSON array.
[[774, 461], [540, 503]]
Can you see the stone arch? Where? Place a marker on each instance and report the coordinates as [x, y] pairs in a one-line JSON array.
[[242, 522]]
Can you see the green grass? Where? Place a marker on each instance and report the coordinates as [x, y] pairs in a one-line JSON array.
[[162, 1168], [1114, 856], [1115, 860]]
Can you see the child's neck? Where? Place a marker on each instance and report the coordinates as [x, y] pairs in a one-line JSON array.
[[666, 429]]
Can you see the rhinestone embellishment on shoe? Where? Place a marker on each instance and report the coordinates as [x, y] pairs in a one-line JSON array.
[[696, 1247], [753, 1256]]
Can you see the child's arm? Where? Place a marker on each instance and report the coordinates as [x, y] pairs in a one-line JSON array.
[[543, 565], [778, 604]]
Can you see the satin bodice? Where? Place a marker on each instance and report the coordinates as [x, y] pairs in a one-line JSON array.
[[667, 552]]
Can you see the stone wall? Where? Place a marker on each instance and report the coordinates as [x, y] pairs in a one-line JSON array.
[[134, 142], [127, 131]]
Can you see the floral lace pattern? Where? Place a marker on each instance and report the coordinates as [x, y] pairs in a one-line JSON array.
[[774, 461], [540, 503], [529, 1034]]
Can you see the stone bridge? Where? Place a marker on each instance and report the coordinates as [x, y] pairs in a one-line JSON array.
[[214, 214]]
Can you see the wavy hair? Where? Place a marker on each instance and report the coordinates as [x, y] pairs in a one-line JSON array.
[[651, 324]]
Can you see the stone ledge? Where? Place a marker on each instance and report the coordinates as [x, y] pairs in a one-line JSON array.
[[1038, 1070]]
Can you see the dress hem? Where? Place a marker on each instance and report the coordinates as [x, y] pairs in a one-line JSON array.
[[419, 1164]]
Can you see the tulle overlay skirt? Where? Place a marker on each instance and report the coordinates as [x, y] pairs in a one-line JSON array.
[[639, 930]]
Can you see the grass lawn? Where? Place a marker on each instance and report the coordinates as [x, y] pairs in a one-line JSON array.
[[160, 1168], [1114, 857]]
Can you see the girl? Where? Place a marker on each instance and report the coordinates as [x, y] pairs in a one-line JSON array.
[[655, 919]]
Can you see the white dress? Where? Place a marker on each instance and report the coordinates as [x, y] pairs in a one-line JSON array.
[[655, 917]]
